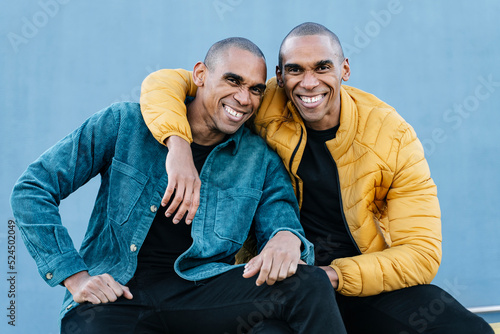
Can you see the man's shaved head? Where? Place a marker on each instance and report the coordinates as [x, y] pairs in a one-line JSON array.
[[214, 54], [308, 29]]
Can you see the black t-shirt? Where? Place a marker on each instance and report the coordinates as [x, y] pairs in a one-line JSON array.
[[166, 241], [321, 214]]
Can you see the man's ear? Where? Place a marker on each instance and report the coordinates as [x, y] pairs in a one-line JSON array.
[[199, 73], [279, 77], [346, 70]]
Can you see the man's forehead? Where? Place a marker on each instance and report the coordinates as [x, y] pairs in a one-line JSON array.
[[238, 57], [246, 65], [318, 47]]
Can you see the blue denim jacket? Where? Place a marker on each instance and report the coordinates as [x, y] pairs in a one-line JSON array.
[[243, 181]]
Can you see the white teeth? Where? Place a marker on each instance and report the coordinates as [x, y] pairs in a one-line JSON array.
[[313, 99], [233, 112]]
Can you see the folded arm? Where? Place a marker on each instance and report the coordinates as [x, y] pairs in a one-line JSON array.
[[162, 105]]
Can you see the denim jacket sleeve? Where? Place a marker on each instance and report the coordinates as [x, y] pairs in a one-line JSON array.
[[278, 210], [56, 174]]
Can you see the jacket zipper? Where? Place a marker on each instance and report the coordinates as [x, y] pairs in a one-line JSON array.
[[296, 179], [341, 203]]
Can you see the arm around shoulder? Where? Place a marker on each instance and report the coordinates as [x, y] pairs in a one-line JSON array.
[[162, 103]]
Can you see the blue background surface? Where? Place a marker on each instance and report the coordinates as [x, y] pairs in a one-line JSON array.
[[435, 62]]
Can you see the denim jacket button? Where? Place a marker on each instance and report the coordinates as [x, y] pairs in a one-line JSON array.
[[133, 248], [153, 208], [49, 276]]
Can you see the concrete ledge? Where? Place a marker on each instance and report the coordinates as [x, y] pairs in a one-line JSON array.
[[496, 327]]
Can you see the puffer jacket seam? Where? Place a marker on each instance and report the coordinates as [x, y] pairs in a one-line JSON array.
[[369, 150], [382, 121], [360, 199]]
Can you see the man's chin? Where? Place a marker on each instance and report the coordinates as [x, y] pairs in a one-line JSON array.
[[308, 115], [230, 130]]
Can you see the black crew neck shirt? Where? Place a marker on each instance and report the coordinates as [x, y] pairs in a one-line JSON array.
[[321, 214], [166, 241]]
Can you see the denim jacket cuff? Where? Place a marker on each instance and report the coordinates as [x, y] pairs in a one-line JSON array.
[[307, 254], [62, 267]]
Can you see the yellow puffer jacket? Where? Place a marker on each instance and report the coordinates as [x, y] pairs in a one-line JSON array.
[[388, 197]]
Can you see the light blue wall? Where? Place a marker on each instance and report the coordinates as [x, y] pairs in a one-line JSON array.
[[435, 61]]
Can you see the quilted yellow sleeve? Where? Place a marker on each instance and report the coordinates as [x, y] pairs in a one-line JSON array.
[[414, 226], [162, 103]]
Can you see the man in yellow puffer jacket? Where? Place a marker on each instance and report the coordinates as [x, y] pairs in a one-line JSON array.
[[367, 200]]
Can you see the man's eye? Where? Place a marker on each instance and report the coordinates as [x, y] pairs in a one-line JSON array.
[[323, 68], [257, 91], [232, 80]]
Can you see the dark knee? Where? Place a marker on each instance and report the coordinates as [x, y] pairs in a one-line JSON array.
[[311, 280]]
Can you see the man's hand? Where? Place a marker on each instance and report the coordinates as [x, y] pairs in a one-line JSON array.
[[277, 261], [95, 289], [332, 275], [183, 179]]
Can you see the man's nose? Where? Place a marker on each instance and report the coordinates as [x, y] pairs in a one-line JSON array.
[[243, 97], [309, 81]]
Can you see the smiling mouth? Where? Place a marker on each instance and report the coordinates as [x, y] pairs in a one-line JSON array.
[[311, 99], [233, 112]]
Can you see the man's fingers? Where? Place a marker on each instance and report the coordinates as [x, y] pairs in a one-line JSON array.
[[102, 289], [105, 296], [186, 201], [178, 197], [126, 292], [279, 257], [292, 269], [192, 211], [287, 269], [86, 296], [183, 179], [168, 193], [278, 266], [117, 290], [284, 271], [265, 269], [93, 291], [112, 289], [108, 289], [91, 298], [195, 203], [252, 267]]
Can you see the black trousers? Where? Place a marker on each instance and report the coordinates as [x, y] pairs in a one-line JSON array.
[[224, 304], [416, 310]]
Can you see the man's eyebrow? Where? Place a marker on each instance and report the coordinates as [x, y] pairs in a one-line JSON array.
[[295, 66], [317, 64], [324, 62], [234, 76], [240, 79]]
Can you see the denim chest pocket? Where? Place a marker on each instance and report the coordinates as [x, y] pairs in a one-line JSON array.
[[126, 185], [235, 211]]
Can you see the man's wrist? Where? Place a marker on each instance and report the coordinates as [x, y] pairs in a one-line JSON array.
[[290, 235], [71, 282], [173, 142], [332, 275]]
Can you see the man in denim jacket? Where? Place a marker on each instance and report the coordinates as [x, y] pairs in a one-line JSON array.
[[140, 271]]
